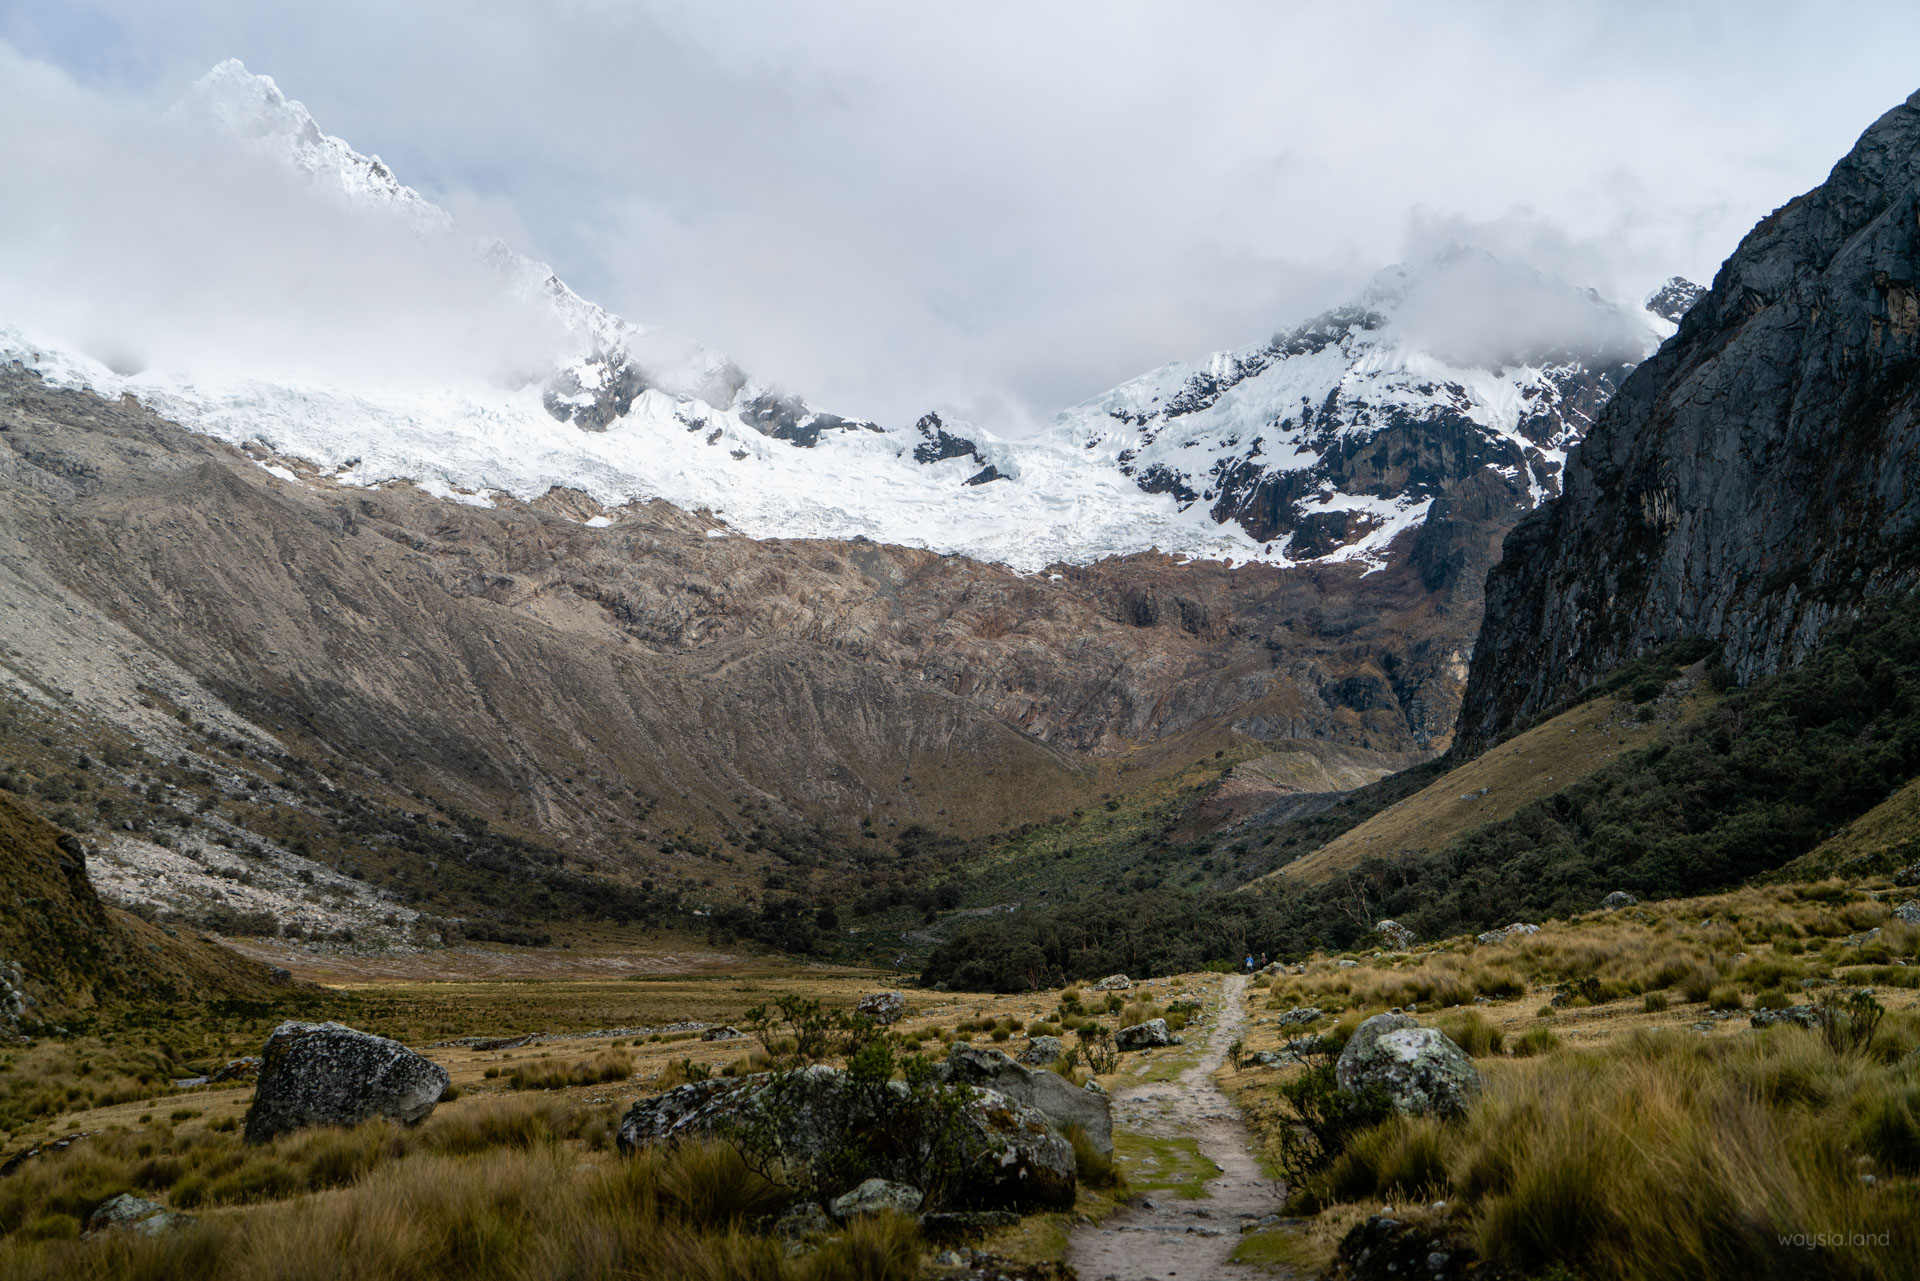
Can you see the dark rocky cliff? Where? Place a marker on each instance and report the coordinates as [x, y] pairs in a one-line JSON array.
[[1754, 480]]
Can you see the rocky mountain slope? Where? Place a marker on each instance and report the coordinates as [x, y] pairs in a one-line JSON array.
[[639, 697], [1752, 482], [62, 951]]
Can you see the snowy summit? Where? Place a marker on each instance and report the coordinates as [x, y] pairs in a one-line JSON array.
[[1324, 444]]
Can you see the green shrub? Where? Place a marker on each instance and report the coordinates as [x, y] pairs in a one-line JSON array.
[[1321, 1119], [1656, 1003]]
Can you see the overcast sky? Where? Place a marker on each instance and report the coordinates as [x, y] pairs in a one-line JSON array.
[[1004, 209]]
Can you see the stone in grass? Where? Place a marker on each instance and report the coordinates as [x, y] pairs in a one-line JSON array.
[[1796, 1015], [1420, 1069], [885, 1008], [876, 1196], [802, 1220], [1617, 899], [136, 1214], [1146, 1036], [1301, 1014], [722, 1033], [1042, 1050], [1396, 935], [1113, 983], [326, 1074], [1909, 912]]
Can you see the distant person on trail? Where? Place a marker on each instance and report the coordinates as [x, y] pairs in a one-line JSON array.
[[1249, 962]]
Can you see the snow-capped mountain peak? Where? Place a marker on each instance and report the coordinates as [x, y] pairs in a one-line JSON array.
[[1325, 443]]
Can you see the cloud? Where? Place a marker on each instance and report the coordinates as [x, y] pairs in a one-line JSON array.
[[146, 241], [1014, 206]]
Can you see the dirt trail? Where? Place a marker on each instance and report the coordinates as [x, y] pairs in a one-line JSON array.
[[1165, 1237]]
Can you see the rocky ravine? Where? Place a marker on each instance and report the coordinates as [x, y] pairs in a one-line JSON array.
[[1754, 480]]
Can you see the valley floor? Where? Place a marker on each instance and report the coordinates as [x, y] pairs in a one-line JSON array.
[[1622, 1076]]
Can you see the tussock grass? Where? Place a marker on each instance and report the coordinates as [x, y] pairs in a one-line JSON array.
[[602, 1069], [1594, 1126], [1094, 1168], [499, 1190]]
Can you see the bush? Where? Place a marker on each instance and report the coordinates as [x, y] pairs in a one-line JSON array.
[[1321, 1119], [1726, 997], [1656, 1003]]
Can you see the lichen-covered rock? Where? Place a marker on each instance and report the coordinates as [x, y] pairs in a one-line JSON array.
[[802, 1221], [1048, 1093], [1616, 900], [1010, 1155], [884, 1008], [1301, 1014], [1146, 1036], [876, 1196], [722, 1034], [136, 1214], [246, 1068], [1042, 1050], [1793, 1015], [1419, 1068], [1430, 1248], [1908, 875], [1113, 983], [1909, 912], [326, 1074], [1395, 934]]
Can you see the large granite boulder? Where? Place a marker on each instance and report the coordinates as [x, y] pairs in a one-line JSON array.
[[1150, 1035], [326, 1074], [1047, 1093], [1009, 1154], [1617, 900], [1113, 983], [884, 1008], [1419, 1068]]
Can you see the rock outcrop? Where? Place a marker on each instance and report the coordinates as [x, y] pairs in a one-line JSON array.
[[326, 1074], [1047, 1093], [1419, 1068], [1751, 482], [1010, 1155]]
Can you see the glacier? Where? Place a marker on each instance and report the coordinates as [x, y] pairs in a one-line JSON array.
[[1241, 456]]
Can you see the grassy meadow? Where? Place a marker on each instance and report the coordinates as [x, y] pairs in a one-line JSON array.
[[1633, 1122], [516, 1173]]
